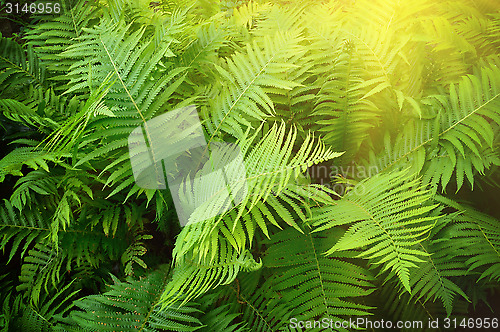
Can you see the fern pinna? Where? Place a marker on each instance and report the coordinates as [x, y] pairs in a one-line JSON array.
[[405, 93]]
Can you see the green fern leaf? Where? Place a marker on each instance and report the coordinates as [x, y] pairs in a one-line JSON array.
[[132, 306], [388, 218], [313, 284], [192, 278]]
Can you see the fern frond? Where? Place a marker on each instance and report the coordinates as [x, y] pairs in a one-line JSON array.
[[192, 278], [494, 29], [430, 280], [388, 216], [39, 108], [19, 67], [22, 229], [29, 156], [53, 37], [273, 19], [62, 191], [460, 137], [261, 306], [271, 170], [131, 57], [41, 268], [43, 317], [313, 284], [344, 116], [14, 109], [401, 307], [241, 98], [35, 182], [387, 14], [475, 237], [132, 306], [434, 278], [133, 253], [219, 317], [28, 226], [204, 50]]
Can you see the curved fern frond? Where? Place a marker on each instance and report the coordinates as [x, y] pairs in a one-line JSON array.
[[344, 115], [219, 317], [261, 307], [272, 164], [43, 317], [41, 269], [21, 229], [401, 307], [13, 162], [431, 279], [204, 50], [192, 277], [434, 278]]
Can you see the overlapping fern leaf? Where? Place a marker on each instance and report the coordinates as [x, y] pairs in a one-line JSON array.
[[341, 104], [23, 229], [459, 139], [435, 277], [20, 315], [293, 106], [271, 163], [355, 61], [132, 305], [463, 243], [257, 303], [294, 266], [240, 99], [217, 317], [203, 52], [412, 88], [203, 246], [25, 98], [474, 237], [19, 67], [53, 37], [317, 285], [414, 312], [388, 216], [193, 277], [12, 163], [132, 58]]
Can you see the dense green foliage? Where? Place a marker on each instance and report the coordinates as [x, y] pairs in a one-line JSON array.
[[398, 100]]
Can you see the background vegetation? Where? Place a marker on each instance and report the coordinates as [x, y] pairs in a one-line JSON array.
[[408, 88]]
